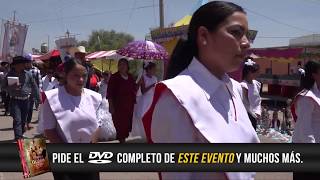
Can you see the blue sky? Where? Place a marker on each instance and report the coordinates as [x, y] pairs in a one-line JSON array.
[[275, 20]]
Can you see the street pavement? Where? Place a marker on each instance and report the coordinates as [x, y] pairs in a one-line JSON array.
[[6, 136]]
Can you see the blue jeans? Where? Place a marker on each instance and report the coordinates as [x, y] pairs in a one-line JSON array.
[[19, 112], [30, 110]]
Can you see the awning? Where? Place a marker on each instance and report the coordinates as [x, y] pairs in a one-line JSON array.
[[47, 56], [104, 55]]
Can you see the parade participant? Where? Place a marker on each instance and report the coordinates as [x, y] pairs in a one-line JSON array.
[[147, 84], [75, 114], [307, 106], [49, 81], [201, 104], [20, 94], [251, 90], [121, 94], [37, 77], [306, 111]]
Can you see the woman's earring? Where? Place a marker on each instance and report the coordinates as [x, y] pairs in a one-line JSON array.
[[204, 43]]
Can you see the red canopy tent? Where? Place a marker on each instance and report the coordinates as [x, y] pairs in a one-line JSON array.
[[47, 56]]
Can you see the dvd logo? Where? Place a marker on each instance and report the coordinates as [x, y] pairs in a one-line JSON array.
[[100, 158]]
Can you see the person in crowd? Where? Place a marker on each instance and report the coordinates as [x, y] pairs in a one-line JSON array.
[[200, 103], [251, 90], [20, 93], [49, 81], [307, 106], [288, 114], [94, 79], [147, 84], [38, 79], [75, 114], [275, 120], [121, 94], [5, 98], [80, 54], [264, 118], [103, 84], [306, 111]]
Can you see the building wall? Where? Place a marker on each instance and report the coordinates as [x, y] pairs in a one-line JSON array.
[[264, 65]]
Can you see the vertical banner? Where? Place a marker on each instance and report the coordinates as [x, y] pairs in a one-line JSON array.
[[13, 40], [64, 45]]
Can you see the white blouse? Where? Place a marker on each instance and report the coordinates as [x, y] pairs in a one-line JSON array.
[[307, 127], [69, 119], [224, 119], [253, 103]]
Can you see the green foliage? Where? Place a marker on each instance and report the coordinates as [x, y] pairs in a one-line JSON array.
[[106, 40]]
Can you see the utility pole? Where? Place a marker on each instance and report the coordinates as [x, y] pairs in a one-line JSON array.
[[48, 43], [161, 11]]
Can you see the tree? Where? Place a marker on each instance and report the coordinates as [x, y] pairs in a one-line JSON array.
[[107, 40]]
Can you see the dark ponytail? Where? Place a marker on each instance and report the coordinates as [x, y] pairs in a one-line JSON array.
[[181, 58], [210, 15], [307, 80]]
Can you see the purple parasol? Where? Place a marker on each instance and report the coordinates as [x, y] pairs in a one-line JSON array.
[[146, 50]]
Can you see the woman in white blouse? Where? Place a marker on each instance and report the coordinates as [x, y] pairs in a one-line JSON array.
[[200, 103], [306, 110], [73, 114], [147, 83], [251, 90], [307, 106]]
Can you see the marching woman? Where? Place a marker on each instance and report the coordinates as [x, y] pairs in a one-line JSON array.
[[73, 114], [147, 84], [251, 90], [121, 94], [201, 103], [307, 106], [306, 111]]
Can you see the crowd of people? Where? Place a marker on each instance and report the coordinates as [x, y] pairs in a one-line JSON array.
[[196, 103]]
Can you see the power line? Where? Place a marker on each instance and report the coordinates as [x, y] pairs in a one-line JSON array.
[[130, 15], [90, 14], [279, 22]]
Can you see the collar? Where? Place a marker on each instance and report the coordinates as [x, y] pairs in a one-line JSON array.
[[206, 80]]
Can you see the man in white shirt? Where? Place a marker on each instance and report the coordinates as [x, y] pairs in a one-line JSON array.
[[49, 81]]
